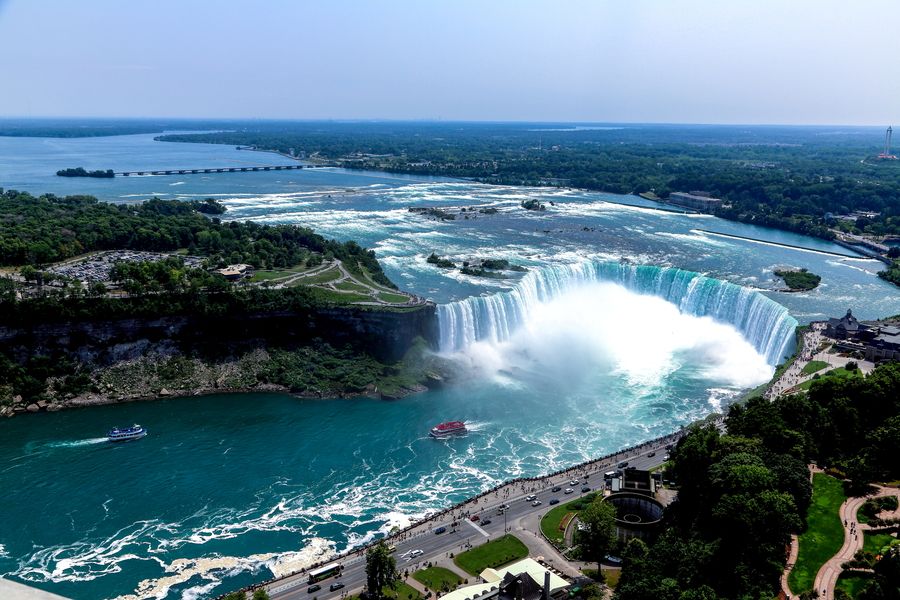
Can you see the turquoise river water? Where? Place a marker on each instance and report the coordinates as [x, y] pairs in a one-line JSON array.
[[612, 337]]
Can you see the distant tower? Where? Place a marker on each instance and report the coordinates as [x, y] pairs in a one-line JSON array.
[[886, 155]]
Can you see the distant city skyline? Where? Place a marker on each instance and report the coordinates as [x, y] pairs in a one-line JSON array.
[[644, 61]]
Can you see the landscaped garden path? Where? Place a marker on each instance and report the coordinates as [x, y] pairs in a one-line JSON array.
[[854, 537]]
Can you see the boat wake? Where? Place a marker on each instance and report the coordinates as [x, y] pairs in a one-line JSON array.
[[77, 443]]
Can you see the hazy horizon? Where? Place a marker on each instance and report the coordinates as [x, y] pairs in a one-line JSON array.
[[648, 62]]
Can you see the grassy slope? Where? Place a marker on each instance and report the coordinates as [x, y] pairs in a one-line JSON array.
[[824, 531], [813, 366], [874, 542], [437, 578], [491, 554], [550, 522], [838, 372], [852, 584]]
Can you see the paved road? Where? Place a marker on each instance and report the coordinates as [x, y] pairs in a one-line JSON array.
[[490, 526]]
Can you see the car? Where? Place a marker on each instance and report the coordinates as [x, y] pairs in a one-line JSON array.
[[486, 522], [536, 503], [416, 553], [501, 510], [440, 530], [454, 523], [585, 489], [666, 456], [313, 588], [669, 446], [652, 454], [575, 482], [530, 497], [335, 586], [554, 501], [556, 488], [568, 491], [474, 518], [623, 464]]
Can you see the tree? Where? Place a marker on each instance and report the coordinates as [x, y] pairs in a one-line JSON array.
[[599, 534], [381, 569], [260, 594]]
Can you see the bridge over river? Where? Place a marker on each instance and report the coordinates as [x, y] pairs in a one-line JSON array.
[[220, 170]]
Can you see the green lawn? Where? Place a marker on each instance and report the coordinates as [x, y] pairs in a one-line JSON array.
[[350, 286], [323, 277], [551, 520], [491, 554], [394, 298], [813, 366], [839, 372], [401, 591], [438, 579], [824, 533], [266, 275], [874, 542], [852, 584]]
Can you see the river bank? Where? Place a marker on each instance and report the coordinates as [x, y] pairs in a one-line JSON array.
[[302, 372]]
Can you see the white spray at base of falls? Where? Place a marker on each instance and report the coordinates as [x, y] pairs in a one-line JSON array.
[[764, 323]]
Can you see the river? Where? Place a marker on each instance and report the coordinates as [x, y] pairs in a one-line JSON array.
[[585, 353]]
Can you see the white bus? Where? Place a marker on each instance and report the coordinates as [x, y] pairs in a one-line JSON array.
[[325, 572]]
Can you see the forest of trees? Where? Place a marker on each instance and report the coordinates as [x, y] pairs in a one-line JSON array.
[[785, 177], [41, 230], [741, 495]]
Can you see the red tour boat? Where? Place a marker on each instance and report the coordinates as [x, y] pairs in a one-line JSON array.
[[448, 428]]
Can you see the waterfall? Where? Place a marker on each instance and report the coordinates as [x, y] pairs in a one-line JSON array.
[[762, 321]]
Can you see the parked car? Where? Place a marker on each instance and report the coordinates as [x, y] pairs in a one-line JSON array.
[[335, 586], [556, 488], [440, 529], [313, 588], [554, 501], [536, 503], [568, 491]]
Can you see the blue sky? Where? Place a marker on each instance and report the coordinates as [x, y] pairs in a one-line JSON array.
[[709, 61]]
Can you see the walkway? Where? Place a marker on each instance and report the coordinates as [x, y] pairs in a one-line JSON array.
[[815, 347], [854, 537], [354, 285]]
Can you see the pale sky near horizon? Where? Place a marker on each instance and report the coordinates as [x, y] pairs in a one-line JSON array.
[[687, 61]]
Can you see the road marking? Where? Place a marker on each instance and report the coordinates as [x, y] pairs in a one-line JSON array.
[[478, 529]]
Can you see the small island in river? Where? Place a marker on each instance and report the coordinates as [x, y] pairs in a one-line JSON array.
[[799, 280], [81, 172]]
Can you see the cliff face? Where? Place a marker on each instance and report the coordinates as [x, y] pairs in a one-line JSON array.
[[383, 335]]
